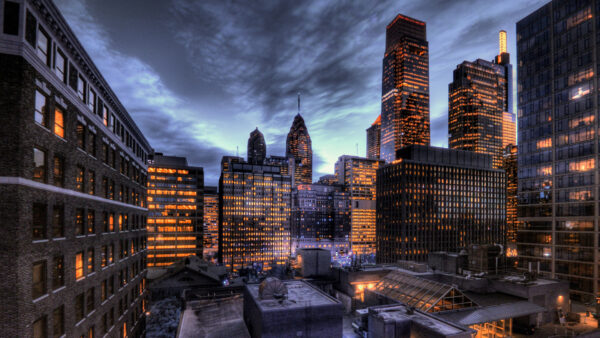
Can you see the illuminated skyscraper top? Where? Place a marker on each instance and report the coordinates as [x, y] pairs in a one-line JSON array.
[[405, 87], [257, 149], [298, 146]]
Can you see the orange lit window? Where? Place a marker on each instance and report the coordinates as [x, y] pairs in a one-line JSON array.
[[59, 123], [79, 265]]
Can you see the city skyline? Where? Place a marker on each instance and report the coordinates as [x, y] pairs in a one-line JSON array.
[[342, 87]]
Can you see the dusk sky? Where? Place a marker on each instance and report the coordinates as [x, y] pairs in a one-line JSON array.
[[198, 76]]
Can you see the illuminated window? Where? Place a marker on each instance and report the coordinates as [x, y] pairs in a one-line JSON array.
[[79, 179], [91, 182], [79, 265], [59, 123], [41, 115], [105, 115], [79, 222]]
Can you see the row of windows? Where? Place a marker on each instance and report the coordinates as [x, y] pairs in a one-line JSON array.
[[52, 55]]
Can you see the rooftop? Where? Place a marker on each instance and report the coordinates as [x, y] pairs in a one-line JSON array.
[[300, 294]]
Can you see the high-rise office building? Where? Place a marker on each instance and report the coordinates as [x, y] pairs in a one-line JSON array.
[[558, 146], [298, 146], [211, 224], [320, 217], [254, 215], [175, 209], [509, 128], [438, 199], [480, 102], [509, 165], [374, 139], [357, 175], [405, 87], [257, 148], [72, 187]]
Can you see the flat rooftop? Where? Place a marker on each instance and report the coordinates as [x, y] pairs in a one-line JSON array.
[[213, 318], [300, 294], [401, 313]]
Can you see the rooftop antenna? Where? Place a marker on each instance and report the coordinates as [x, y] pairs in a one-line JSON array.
[[298, 102], [237, 151]]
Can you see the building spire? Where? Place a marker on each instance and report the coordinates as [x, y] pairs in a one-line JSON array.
[[502, 42], [298, 103]]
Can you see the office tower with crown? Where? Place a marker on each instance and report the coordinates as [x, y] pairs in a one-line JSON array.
[[298, 146], [257, 149], [405, 87]]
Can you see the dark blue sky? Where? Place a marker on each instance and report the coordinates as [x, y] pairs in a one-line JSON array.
[[199, 76]]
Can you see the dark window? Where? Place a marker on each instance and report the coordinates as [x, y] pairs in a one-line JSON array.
[[60, 65], [58, 272], [41, 109], [58, 221], [79, 179], [79, 222], [38, 225], [39, 165], [39, 328], [80, 136], [38, 280], [43, 46], [103, 291], [91, 300], [73, 76], [104, 254], [92, 144], [81, 87], [59, 171], [92, 101], [58, 321], [105, 152], [111, 285], [79, 307], [11, 18], [30, 28]]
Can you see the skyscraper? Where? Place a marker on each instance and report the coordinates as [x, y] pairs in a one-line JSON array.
[[257, 149], [558, 144], [72, 187], [480, 103], [254, 215], [299, 147], [211, 224], [175, 209], [405, 87], [509, 165], [374, 139], [320, 217], [357, 175], [438, 199]]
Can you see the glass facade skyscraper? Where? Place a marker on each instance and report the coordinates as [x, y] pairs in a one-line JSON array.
[[257, 148], [480, 100], [405, 87], [558, 145], [175, 210], [438, 199], [374, 139], [298, 146]]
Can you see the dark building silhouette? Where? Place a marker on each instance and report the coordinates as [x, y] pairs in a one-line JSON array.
[[298, 146], [479, 97], [175, 210], [405, 87], [374, 139], [211, 224], [257, 149], [558, 144], [438, 199], [72, 187]]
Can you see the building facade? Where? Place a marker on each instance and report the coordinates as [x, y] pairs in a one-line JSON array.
[[299, 147], [436, 199], [480, 102], [254, 215], [558, 144], [211, 224], [320, 217], [175, 210], [374, 139], [357, 175], [509, 165], [72, 187], [405, 87]]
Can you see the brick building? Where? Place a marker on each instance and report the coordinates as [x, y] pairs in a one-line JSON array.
[[72, 187]]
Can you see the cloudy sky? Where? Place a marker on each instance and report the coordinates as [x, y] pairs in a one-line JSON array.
[[199, 76]]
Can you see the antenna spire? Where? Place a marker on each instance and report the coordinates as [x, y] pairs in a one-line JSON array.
[[298, 102]]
